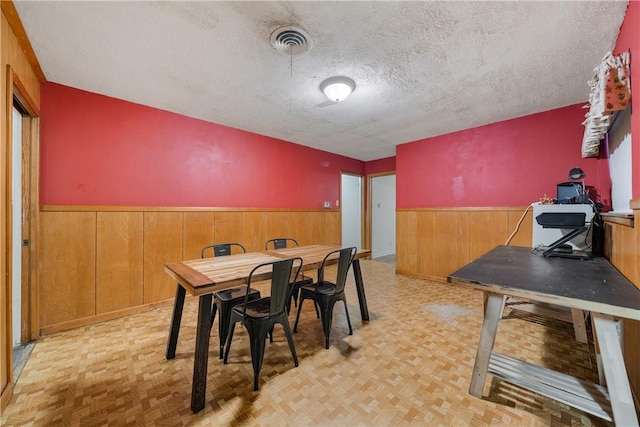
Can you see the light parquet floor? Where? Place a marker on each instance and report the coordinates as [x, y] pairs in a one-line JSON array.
[[410, 365]]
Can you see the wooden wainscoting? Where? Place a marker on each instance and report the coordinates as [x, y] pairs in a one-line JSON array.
[[98, 263], [431, 243]]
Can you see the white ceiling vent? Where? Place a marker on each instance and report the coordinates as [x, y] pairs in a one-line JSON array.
[[291, 40]]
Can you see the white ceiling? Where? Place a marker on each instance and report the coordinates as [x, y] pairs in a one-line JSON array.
[[421, 68]]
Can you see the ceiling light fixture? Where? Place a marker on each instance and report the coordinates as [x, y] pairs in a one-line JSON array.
[[337, 89]]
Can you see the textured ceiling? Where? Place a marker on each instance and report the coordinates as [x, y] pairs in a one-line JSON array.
[[421, 68]]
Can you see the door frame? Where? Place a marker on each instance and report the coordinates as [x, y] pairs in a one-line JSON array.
[[17, 93], [369, 210], [362, 207]]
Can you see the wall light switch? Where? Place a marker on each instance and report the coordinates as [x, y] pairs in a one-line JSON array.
[[326, 204]]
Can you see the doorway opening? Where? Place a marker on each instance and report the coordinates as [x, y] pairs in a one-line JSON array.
[[383, 217], [351, 209]]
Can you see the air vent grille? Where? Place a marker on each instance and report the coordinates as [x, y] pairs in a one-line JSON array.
[[291, 40]]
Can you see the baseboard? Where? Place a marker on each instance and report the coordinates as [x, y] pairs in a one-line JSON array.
[[383, 254], [6, 396], [422, 276], [89, 320]]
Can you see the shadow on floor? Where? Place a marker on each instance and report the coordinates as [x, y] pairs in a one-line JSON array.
[[21, 354]]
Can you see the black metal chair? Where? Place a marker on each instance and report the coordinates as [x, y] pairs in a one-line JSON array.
[[282, 243], [260, 316], [223, 301], [325, 293], [222, 249]]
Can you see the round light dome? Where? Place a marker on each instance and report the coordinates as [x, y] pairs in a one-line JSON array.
[[337, 88]]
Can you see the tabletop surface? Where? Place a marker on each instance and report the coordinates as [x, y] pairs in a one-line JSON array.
[[210, 274], [509, 268]]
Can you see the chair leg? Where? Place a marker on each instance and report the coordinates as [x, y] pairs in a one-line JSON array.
[[223, 326], [214, 308], [295, 326], [315, 304], [326, 315], [296, 293], [227, 346], [287, 333], [257, 342], [344, 300]]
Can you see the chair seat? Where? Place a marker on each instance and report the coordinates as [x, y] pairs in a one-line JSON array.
[[237, 293], [325, 288], [256, 309]]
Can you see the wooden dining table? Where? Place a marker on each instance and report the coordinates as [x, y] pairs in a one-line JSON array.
[[202, 277]]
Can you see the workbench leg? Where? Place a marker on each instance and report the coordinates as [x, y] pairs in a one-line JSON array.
[[492, 315], [199, 386], [176, 318], [362, 299], [579, 327], [624, 412]]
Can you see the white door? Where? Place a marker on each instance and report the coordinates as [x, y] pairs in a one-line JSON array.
[[351, 210], [383, 215], [16, 209]]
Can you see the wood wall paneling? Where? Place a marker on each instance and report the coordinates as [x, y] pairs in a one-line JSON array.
[[67, 275], [132, 245], [198, 233], [119, 261], [278, 224], [301, 226], [452, 241], [433, 242], [228, 228], [162, 242], [487, 229], [524, 233], [426, 244], [253, 230], [407, 242], [333, 228], [314, 230]]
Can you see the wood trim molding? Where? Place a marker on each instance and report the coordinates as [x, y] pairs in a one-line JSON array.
[[88, 208], [463, 209], [635, 204], [21, 92], [13, 18], [622, 219], [76, 323], [368, 240]]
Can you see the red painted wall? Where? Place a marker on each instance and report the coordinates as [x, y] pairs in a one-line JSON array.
[[97, 150], [388, 164], [629, 40], [509, 163]]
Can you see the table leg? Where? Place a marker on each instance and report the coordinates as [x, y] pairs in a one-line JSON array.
[[176, 318], [492, 315], [199, 386], [362, 299], [579, 327], [624, 413]]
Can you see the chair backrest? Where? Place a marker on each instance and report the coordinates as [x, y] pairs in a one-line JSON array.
[[280, 243], [344, 262], [280, 277], [222, 249]]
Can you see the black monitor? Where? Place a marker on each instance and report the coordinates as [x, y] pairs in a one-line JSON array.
[[570, 193]]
